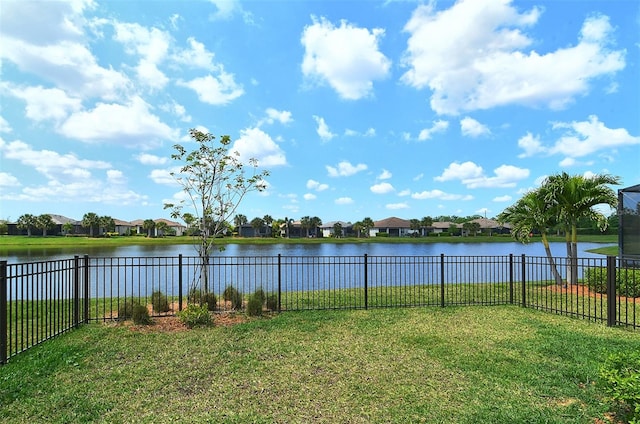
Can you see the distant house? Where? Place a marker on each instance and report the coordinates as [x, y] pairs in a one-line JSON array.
[[327, 229], [138, 227], [394, 227], [440, 227], [491, 226], [123, 227]]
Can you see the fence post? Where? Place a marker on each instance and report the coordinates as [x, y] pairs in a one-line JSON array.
[[366, 281], [3, 313], [180, 282], [524, 281], [611, 291], [279, 281], [87, 295], [76, 291], [511, 278], [442, 280]]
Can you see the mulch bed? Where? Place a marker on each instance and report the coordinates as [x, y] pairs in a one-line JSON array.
[[582, 290]]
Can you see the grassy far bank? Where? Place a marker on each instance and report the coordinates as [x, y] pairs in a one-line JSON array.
[[464, 365], [18, 242]]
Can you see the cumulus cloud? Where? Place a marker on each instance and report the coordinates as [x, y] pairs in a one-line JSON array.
[[148, 159], [45, 103], [382, 188], [344, 201], [345, 169], [477, 55], [8, 180], [384, 175], [438, 126], [282, 116], [396, 206], [473, 175], [215, 90], [472, 128], [123, 123], [4, 126], [531, 145], [345, 57], [500, 199], [309, 196], [315, 185], [323, 129], [255, 143], [439, 194]]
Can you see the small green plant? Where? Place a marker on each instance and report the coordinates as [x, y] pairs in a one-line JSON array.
[[260, 294], [231, 294], [210, 300], [140, 315], [620, 379], [272, 301], [159, 302], [627, 281], [195, 315], [254, 305], [125, 309]]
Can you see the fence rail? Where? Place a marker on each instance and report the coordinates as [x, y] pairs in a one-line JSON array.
[[40, 300]]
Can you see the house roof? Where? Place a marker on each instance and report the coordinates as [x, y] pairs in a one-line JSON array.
[[444, 225], [392, 222], [169, 223], [59, 219]]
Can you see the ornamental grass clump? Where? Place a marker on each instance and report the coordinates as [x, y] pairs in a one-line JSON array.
[[254, 305], [159, 302], [125, 309], [272, 301], [195, 315], [140, 315], [231, 294]]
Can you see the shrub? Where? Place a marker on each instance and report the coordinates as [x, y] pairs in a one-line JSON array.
[[272, 301], [210, 300], [195, 316], [140, 315], [125, 309], [260, 294], [620, 379], [159, 302], [231, 294], [254, 306], [627, 281]]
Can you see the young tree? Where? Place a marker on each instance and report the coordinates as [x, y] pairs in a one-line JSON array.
[[425, 223], [162, 228], [67, 227], [314, 223], [27, 222], [107, 224], [238, 221], [90, 220], [337, 230], [149, 225], [214, 180], [257, 224], [574, 197], [367, 224], [305, 223], [44, 222], [268, 221]]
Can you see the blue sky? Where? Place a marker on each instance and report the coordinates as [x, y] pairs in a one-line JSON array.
[[357, 108]]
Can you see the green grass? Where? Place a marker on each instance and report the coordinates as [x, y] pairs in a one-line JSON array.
[[12, 243], [462, 365]]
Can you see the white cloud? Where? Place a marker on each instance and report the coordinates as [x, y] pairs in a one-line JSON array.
[[315, 185], [505, 198], [164, 177], [148, 159], [531, 145], [371, 132], [4, 126], [219, 90], [437, 127], [346, 57], [196, 56], [344, 201], [404, 193], [586, 137], [8, 180], [418, 177], [152, 45], [345, 169], [323, 129], [473, 175], [396, 206], [130, 123], [382, 188], [46, 103], [439, 194], [474, 55], [309, 196], [384, 175], [255, 143], [282, 116], [472, 128], [176, 109]]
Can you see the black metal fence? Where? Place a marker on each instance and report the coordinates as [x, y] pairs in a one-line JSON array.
[[40, 300]]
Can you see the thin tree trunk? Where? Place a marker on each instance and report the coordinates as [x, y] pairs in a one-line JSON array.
[[552, 263]]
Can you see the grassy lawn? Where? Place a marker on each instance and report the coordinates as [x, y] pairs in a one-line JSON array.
[[457, 364], [22, 242]]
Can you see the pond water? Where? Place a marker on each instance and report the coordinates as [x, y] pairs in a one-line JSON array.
[[321, 249]]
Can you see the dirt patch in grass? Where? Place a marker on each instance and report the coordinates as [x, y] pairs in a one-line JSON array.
[[582, 290], [172, 324]]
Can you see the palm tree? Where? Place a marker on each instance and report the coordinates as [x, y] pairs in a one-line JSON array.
[[238, 221], [337, 230], [107, 223], [257, 224], [414, 224], [574, 197], [27, 222], [531, 213], [305, 222], [268, 220], [161, 228], [314, 223], [425, 223], [358, 227], [148, 225], [90, 220], [367, 224], [67, 227], [287, 222], [44, 222]]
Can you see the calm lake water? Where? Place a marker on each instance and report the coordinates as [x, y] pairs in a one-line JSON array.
[[324, 249]]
